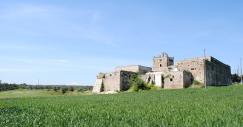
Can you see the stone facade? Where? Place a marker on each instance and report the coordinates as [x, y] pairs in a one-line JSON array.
[[165, 74], [162, 61], [135, 68], [116, 81], [169, 80], [207, 70], [217, 73]]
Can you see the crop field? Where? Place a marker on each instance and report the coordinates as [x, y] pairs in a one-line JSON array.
[[24, 93], [220, 107]]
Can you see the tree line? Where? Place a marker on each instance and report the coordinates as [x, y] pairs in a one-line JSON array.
[[62, 88], [236, 78]]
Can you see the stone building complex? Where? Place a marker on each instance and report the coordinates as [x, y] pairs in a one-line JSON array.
[[167, 74]]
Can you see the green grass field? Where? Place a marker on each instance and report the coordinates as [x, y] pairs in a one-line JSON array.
[[221, 106], [24, 93]]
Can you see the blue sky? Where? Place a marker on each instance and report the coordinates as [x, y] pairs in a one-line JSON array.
[[69, 42]]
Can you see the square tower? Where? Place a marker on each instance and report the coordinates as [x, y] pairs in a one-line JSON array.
[[162, 61]]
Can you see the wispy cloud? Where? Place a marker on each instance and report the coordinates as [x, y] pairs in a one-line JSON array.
[[55, 22], [23, 11], [14, 46]]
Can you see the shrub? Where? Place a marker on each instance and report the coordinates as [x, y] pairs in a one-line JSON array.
[[235, 78], [56, 89], [71, 89], [6, 86], [81, 90], [138, 84], [197, 84], [153, 87], [64, 90]]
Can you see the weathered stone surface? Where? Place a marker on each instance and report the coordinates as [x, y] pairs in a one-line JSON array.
[[161, 62], [170, 80], [116, 81], [178, 80], [112, 82], [98, 86], [134, 68], [207, 70]]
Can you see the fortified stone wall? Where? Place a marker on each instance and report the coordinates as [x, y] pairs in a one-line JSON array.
[[169, 80], [217, 73], [134, 68], [111, 82], [177, 80], [195, 66], [116, 81], [98, 86], [167, 75], [207, 69]]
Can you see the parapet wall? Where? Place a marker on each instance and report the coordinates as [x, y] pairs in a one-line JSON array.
[[134, 68]]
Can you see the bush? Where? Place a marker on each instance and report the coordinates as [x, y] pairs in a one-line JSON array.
[[81, 90], [64, 90], [71, 89], [6, 86], [197, 84], [56, 89], [138, 84], [236, 78], [153, 87]]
